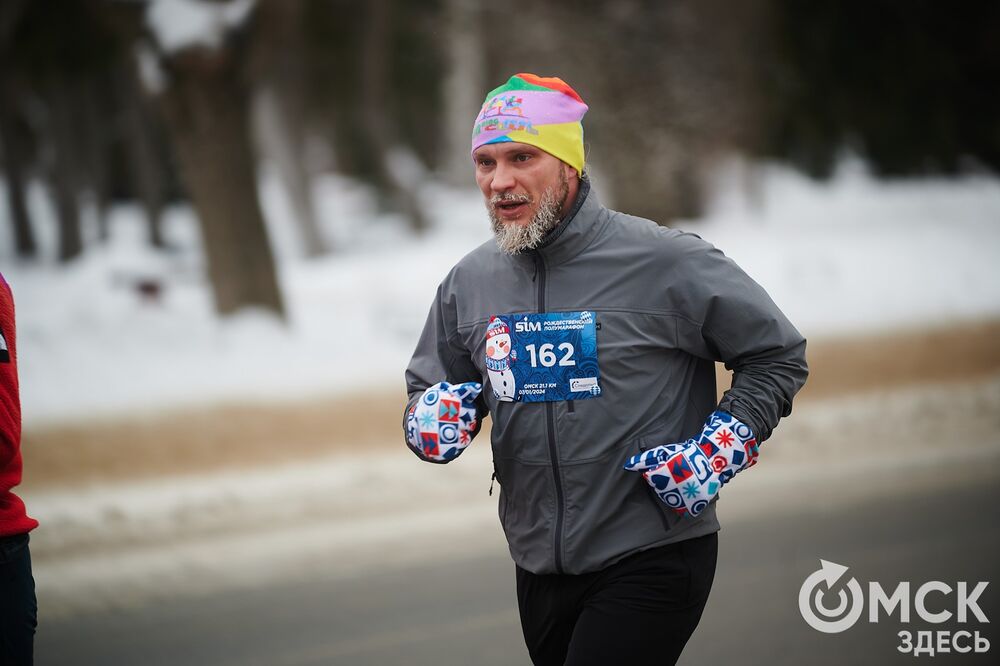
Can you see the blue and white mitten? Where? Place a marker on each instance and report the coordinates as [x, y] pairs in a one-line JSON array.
[[688, 475], [442, 422]]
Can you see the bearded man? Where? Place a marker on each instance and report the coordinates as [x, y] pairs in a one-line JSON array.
[[609, 444]]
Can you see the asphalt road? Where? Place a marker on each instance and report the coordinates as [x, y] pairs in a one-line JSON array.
[[463, 611]]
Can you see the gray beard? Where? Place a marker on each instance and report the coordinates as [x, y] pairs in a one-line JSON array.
[[516, 238]]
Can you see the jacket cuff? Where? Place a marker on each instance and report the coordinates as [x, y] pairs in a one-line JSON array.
[[747, 415]]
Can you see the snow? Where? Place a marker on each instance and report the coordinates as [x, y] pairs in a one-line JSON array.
[[850, 256], [181, 24], [151, 74], [860, 255]]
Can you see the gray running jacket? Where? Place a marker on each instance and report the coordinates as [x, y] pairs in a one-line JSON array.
[[667, 306]]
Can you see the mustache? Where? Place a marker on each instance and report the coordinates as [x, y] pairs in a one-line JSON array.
[[508, 197]]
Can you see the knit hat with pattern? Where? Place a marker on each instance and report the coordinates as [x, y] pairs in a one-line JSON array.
[[541, 111]]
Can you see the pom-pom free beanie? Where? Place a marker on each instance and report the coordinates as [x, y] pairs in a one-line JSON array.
[[544, 112]]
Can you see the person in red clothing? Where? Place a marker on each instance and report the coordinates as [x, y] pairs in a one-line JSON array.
[[18, 606]]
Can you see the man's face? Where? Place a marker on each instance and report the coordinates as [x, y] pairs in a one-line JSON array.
[[526, 191]]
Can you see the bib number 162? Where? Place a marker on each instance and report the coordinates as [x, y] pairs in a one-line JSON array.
[[545, 355]]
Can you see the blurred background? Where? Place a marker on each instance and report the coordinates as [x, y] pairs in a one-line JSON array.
[[223, 223]]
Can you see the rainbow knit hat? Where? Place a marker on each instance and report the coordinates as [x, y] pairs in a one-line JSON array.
[[544, 112]]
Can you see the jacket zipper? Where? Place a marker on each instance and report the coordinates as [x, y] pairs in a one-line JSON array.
[[550, 427]]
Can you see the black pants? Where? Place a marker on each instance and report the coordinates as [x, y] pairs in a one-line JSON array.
[[641, 610], [18, 608]]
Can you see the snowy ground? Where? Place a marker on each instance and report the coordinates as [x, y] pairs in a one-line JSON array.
[[850, 256]]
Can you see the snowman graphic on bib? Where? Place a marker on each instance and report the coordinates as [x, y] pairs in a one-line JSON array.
[[499, 356]]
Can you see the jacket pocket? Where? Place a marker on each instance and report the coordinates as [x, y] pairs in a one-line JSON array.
[[610, 512], [527, 511], [504, 498], [640, 445]]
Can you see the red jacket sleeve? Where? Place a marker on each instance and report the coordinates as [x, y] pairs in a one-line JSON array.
[[13, 519]]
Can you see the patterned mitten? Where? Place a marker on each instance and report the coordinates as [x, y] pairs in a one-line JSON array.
[[442, 422], [688, 475]]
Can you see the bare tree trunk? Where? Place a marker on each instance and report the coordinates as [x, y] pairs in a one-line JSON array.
[[15, 159], [15, 153], [464, 85], [274, 123], [93, 146], [279, 113], [64, 170], [147, 169], [376, 126], [206, 107]]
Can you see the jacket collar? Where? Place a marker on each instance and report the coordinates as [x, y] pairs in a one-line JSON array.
[[574, 233]]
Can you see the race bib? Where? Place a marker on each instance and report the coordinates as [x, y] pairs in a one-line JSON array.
[[543, 357]]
